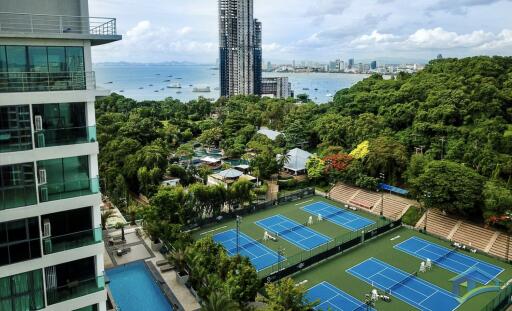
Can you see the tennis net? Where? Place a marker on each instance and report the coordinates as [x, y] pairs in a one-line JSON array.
[[242, 246], [403, 281], [332, 215], [454, 250], [288, 230]]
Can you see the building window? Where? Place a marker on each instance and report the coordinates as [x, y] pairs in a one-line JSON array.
[[19, 241], [22, 292], [41, 68], [15, 130], [17, 186]]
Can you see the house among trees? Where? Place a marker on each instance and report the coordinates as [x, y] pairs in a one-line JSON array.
[[296, 161], [272, 135], [229, 176], [211, 161]]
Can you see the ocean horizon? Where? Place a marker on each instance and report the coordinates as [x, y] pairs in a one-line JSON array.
[[153, 81]]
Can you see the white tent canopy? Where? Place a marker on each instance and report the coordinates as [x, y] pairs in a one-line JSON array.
[[272, 135], [297, 159]]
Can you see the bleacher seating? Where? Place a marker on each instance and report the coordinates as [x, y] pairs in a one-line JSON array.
[[366, 199], [499, 247], [343, 193], [394, 206], [439, 224], [473, 236]]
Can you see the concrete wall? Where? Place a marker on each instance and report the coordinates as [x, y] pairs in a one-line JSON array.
[[51, 7]]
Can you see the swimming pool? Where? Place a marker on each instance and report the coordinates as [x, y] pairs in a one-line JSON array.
[[134, 289]]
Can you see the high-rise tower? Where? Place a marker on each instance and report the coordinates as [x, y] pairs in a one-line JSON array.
[[51, 247], [239, 48]]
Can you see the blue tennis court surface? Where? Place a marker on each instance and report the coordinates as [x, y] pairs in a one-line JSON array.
[[333, 299], [293, 232], [450, 259], [404, 286], [259, 255], [338, 216]]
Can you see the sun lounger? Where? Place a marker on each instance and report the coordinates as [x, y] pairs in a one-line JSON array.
[[160, 263], [124, 251], [166, 268]]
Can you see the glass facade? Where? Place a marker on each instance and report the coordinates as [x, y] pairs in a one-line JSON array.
[[15, 130], [22, 292], [19, 241], [17, 186], [62, 124], [66, 178], [41, 68]]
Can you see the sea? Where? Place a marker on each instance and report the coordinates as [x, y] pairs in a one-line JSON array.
[[151, 81]]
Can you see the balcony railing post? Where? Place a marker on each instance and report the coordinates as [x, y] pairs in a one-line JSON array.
[[31, 24], [60, 24]]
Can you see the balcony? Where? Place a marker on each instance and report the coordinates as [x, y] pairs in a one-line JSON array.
[[99, 30], [46, 81], [12, 140], [75, 289], [17, 196], [69, 189], [65, 136], [73, 240]]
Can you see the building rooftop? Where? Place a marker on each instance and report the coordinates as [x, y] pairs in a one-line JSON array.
[[269, 133], [100, 30], [297, 159]]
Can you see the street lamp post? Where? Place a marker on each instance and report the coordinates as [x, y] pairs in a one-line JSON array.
[[381, 175], [238, 221]]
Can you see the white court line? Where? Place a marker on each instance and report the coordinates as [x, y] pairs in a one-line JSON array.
[[303, 202], [213, 230]]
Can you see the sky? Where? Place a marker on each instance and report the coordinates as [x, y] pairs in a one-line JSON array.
[[311, 30]]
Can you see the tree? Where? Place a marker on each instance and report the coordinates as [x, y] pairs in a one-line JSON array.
[[315, 167], [337, 162], [240, 193], [449, 186], [388, 156], [242, 281], [211, 137], [104, 218], [284, 295], [497, 199], [218, 301]]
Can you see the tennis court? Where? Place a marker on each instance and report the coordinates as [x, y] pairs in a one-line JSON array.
[[293, 232], [404, 286], [259, 255], [450, 259], [333, 299], [338, 216]]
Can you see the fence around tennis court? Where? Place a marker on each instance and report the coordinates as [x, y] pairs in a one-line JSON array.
[[258, 206], [339, 244], [502, 300]]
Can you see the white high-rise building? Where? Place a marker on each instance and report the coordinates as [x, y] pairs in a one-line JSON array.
[[51, 248]]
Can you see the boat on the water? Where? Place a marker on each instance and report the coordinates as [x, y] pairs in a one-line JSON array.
[[204, 89], [174, 85]]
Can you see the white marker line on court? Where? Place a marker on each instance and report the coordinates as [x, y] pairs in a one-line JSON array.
[[210, 231], [303, 202]]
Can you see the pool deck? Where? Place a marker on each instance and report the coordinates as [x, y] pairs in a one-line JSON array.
[[141, 251]]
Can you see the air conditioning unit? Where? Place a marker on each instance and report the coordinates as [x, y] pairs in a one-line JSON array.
[[47, 228], [42, 176], [38, 123], [43, 194], [41, 142]]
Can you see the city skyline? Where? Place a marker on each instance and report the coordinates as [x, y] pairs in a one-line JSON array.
[[366, 30]]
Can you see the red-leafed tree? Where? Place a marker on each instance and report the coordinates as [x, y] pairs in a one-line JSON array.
[[338, 162]]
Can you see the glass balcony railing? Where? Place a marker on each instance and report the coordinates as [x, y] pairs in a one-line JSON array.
[[73, 240], [17, 196], [65, 136], [46, 81], [57, 24], [75, 289], [12, 140], [68, 189]]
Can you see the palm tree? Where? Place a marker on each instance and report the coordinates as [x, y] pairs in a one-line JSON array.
[[178, 258], [217, 301], [104, 217]]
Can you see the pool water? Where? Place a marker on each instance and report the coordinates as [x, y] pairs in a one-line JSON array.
[[134, 289]]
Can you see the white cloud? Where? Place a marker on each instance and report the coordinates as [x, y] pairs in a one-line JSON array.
[[374, 38], [185, 30], [438, 38]]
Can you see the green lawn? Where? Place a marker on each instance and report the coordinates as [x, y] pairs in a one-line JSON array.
[[333, 270], [292, 211]]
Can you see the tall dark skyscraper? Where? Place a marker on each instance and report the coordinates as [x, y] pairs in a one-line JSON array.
[[239, 48]]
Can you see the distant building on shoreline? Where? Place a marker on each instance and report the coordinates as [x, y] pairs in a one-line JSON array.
[[276, 87], [239, 48]]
